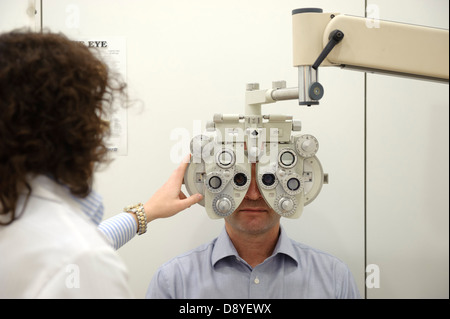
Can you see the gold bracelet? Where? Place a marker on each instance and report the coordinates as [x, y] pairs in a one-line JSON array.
[[138, 209]]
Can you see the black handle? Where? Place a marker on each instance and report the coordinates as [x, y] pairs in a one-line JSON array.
[[334, 38]]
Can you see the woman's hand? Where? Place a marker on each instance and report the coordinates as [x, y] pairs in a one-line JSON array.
[[169, 199]]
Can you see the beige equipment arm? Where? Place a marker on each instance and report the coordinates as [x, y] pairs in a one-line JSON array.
[[332, 39]]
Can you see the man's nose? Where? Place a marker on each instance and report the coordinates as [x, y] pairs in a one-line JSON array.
[[253, 192]]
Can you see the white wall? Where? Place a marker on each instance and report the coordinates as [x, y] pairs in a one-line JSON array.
[[19, 14], [407, 171], [190, 59]]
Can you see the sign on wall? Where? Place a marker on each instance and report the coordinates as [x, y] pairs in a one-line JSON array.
[[112, 51]]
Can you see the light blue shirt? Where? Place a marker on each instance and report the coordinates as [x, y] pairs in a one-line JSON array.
[[215, 270], [118, 230]]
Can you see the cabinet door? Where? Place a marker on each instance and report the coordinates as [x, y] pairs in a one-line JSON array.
[[407, 172]]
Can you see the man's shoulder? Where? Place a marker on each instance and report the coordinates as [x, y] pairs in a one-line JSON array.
[[308, 253], [200, 252]]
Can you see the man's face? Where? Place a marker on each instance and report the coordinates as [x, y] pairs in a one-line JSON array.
[[253, 216]]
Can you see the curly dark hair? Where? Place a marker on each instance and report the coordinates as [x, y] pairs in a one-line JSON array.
[[54, 96]]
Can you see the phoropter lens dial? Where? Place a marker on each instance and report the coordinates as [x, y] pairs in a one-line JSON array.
[[287, 158], [225, 158]]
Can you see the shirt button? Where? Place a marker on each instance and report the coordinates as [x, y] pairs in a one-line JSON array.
[[256, 281]]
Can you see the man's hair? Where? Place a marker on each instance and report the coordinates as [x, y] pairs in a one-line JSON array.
[[54, 96]]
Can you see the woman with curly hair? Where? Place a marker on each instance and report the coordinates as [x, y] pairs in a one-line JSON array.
[[54, 95]]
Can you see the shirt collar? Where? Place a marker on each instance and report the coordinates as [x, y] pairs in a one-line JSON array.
[[224, 248], [285, 246], [92, 206]]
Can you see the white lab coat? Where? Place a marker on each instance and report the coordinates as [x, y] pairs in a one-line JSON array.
[[55, 251]]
